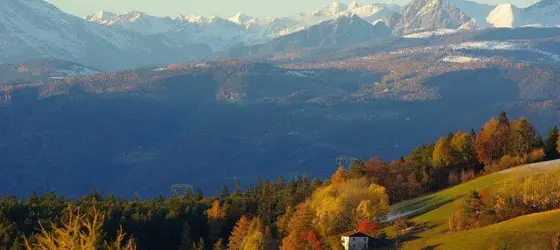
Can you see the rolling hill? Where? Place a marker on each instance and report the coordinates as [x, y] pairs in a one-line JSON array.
[[433, 210]]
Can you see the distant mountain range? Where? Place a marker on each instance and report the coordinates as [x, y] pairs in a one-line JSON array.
[[32, 29]]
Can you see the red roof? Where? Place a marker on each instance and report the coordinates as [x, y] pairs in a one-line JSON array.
[[354, 234]]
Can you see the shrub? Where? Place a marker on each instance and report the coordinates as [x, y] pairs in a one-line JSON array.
[[532, 194], [535, 156], [505, 162]]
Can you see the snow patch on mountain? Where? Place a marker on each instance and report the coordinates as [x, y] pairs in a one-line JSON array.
[[460, 59], [333, 10], [500, 45], [77, 71], [504, 16], [432, 33]]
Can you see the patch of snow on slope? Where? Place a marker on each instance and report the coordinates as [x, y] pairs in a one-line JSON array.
[[296, 73], [78, 71], [489, 45], [495, 45], [432, 33], [460, 59]]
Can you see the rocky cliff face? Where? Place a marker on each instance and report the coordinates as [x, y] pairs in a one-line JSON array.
[[422, 15]]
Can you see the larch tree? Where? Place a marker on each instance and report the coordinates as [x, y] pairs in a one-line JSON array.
[[256, 238], [239, 232], [339, 176], [300, 225]]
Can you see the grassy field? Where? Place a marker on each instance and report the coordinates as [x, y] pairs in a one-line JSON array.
[[527, 232], [534, 231]]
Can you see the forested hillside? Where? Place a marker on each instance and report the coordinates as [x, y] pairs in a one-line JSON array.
[[140, 132], [288, 214]]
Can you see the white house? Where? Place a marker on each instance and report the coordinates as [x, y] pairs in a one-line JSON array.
[[354, 240]]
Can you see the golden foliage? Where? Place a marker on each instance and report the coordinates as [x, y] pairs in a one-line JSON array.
[[340, 208], [78, 232], [300, 225], [443, 155], [217, 211], [256, 238], [339, 176], [535, 193], [249, 234], [239, 232]]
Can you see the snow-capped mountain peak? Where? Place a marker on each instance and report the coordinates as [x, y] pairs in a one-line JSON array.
[[422, 15], [504, 15], [192, 18], [37, 29], [353, 5], [102, 17], [240, 18], [332, 10]]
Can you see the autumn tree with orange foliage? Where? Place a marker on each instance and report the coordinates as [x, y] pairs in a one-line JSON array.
[[485, 143], [216, 219], [299, 227], [339, 176], [239, 232]]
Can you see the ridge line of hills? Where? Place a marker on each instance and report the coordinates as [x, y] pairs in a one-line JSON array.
[[35, 29]]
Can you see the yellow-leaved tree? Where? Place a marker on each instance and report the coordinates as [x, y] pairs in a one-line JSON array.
[[340, 208], [78, 232]]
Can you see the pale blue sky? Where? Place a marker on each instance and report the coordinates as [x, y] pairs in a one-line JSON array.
[[223, 8]]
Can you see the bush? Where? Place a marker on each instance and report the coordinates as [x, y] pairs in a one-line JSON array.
[[505, 162], [535, 156], [532, 194]]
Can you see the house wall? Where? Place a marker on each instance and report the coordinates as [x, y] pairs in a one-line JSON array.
[[354, 243]]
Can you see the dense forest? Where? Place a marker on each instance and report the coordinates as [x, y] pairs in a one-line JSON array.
[[298, 213]]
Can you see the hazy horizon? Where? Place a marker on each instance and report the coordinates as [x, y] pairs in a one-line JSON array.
[[217, 7]]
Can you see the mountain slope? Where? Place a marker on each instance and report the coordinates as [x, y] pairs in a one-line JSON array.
[[478, 11], [545, 12], [35, 29], [422, 15], [136, 21], [371, 12], [505, 16], [333, 10], [42, 70], [345, 30]]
